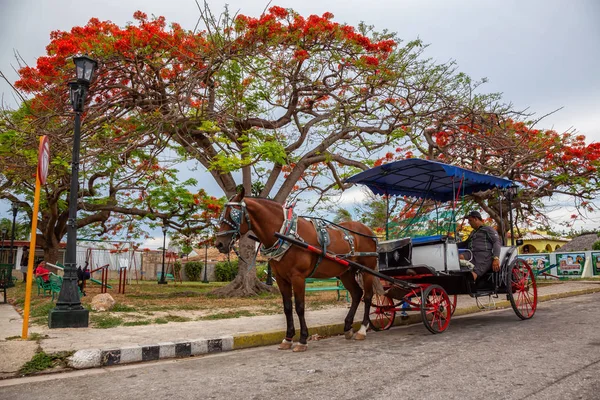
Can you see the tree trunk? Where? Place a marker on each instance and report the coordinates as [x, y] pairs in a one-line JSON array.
[[246, 282], [51, 253]]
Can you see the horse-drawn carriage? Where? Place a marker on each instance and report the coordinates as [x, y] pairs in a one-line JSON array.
[[417, 274], [433, 263]]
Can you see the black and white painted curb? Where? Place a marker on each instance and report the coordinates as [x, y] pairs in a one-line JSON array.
[[94, 358]]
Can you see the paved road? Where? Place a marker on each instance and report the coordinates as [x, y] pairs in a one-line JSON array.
[[490, 355]]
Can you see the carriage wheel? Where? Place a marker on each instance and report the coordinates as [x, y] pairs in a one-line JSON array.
[[382, 313], [522, 289], [436, 309], [453, 301]]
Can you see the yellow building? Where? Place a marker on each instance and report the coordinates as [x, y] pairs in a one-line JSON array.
[[535, 242]]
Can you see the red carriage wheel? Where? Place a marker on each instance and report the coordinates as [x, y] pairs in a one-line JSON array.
[[453, 304], [522, 289], [436, 309], [382, 313]]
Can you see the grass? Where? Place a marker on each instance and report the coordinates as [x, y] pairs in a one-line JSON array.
[[42, 361], [227, 315], [137, 323], [105, 321], [145, 298]]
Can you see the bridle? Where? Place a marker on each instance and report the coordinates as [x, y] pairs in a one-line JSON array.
[[236, 217]]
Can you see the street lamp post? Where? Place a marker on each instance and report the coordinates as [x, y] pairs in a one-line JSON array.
[[15, 209], [4, 231], [205, 279], [162, 280], [69, 312]]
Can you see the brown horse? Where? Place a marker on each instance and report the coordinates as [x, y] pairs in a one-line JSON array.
[[265, 217]]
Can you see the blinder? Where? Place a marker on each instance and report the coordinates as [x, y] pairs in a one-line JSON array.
[[235, 219]]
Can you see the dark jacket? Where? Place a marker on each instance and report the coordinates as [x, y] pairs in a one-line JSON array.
[[484, 243]]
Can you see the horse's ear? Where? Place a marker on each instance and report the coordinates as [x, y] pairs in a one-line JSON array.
[[241, 192]]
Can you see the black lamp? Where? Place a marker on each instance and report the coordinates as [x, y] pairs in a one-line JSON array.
[[4, 232], [15, 209], [162, 280], [69, 312]]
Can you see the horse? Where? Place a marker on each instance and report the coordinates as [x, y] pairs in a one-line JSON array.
[[291, 265]]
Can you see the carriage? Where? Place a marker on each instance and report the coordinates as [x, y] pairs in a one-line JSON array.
[[433, 263], [426, 274]]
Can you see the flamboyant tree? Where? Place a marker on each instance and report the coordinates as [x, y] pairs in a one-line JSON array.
[[542, 162], [293, 103]]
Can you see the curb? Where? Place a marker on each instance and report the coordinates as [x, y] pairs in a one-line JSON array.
[[94, 358]]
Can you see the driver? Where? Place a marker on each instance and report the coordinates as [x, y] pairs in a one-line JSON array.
[[484, 243]]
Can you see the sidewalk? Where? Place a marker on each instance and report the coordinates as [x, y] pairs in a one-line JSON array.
[[120, 345]]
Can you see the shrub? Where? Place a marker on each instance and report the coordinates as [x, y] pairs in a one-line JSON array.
[[261, 272], [193, 269], [596, 245], [226, 271]]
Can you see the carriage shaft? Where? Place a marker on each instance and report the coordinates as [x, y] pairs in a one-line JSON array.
[[347, 263]]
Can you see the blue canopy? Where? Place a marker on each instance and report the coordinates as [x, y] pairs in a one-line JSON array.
[[419, 178]]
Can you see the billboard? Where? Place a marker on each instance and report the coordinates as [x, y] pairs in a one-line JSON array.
[[596, 262], [570, 263], [537, 262]]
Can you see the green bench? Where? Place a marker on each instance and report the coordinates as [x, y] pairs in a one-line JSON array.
[[42, 286], [6, 278], [168, 277], [52, 286], [334, 284]]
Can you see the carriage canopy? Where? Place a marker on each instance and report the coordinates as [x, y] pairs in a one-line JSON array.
[[426, 179]]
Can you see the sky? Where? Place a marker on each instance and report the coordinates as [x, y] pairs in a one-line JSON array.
[[542, 55]]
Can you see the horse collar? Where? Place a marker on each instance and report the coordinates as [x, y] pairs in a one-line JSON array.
[[289, 227]]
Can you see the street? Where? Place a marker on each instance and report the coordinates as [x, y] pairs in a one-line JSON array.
[[491, 355]]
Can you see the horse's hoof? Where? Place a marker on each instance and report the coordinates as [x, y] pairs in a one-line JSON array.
[[285, 345], [360, 336], [348, 334], [300, 347]]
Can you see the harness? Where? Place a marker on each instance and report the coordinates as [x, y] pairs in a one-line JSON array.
[[289, 227]]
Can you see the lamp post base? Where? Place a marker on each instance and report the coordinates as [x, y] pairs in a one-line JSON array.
[[162, 282], [68, 318]]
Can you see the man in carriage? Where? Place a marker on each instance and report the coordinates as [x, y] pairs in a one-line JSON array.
[[484, 244]]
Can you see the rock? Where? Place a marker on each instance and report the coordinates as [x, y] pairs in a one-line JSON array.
[[103, 302]]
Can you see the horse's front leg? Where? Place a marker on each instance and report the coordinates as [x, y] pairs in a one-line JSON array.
[[299, 284], [286, 294]]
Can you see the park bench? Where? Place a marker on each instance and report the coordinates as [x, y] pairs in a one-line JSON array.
[[52, 286], [6, 278], [43, 286], [168, 277], [334, 284]]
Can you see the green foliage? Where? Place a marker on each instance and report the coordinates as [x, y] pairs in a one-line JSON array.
[[261, 272], [596, 245], [193, 270], [226, 271]]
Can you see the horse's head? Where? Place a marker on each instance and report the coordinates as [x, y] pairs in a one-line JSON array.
[[233, 223]]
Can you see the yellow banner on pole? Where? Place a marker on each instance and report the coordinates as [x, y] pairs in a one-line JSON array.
[[42, 173]]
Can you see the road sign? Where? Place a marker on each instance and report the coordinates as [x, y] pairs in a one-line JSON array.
[[43, 159]]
